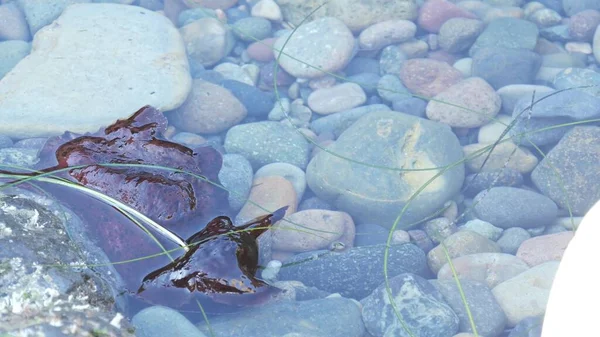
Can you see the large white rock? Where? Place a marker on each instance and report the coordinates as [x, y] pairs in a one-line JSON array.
[[95, 64]]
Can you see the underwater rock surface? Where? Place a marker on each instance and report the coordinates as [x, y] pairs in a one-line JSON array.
[[41, 298]]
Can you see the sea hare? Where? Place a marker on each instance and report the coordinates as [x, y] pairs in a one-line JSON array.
[[221, 262]]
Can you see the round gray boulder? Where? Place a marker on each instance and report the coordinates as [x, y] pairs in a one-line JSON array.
[[359, 180]]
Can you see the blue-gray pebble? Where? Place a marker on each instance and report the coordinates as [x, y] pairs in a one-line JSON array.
[[328, 317], [193, 14], [159, 321], [507, 207], [258, 103], [487, 314], [268, 142], [508, 33], [251, 29], [356, 272], [504, 66], [11, 52], [236, 175]]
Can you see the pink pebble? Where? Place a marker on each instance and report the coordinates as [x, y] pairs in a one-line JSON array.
[[262, 51], [434, 13]]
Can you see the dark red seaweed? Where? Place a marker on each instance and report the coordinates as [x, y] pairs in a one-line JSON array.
[[221, 263]]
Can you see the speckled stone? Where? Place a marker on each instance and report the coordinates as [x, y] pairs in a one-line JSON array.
[[307, 45], [414, 298], [268, 142], [575, 160], [337, 272], [507, 207]]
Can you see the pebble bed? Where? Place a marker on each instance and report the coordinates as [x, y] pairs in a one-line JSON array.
[[334, 116]]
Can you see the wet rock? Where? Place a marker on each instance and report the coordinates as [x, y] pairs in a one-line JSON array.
[[459, 244], [257, 102], [528, 327], [338, 98], [307, 45], [574, 7], [533, 287], [208, 109], [475, 183], [512, 93], [427, 77], [252, 28], [268, 142], [512, 238], [458, 34], [483, 228], [154, 72], [505, 155], [18, 157], [434, 13], [507, 207], [438, 229], [483, 307], [372, 11], [14, 25], [207, 41], [314, 229], [540, 249], [369, 234], [385, 33], [573, 160], [281, 319], [370, 194], [509, 33], [314, 203], [339, 122], [267, 9], [469, 103], [582, 25], [268, 193], [354, 273], [391, 59], [489, 268], [11, 53], [39, 15], [160, 321], [212, 4], [260, 50], [577, 78], [562, 107], [421, 306], [40, 297], [290, 172], [236, 175], [504, 66]]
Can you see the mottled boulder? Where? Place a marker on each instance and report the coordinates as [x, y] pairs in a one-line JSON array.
[[38, 295], [569, 174], [393, 140], [422, 307], [485, 310], [355, 272]]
